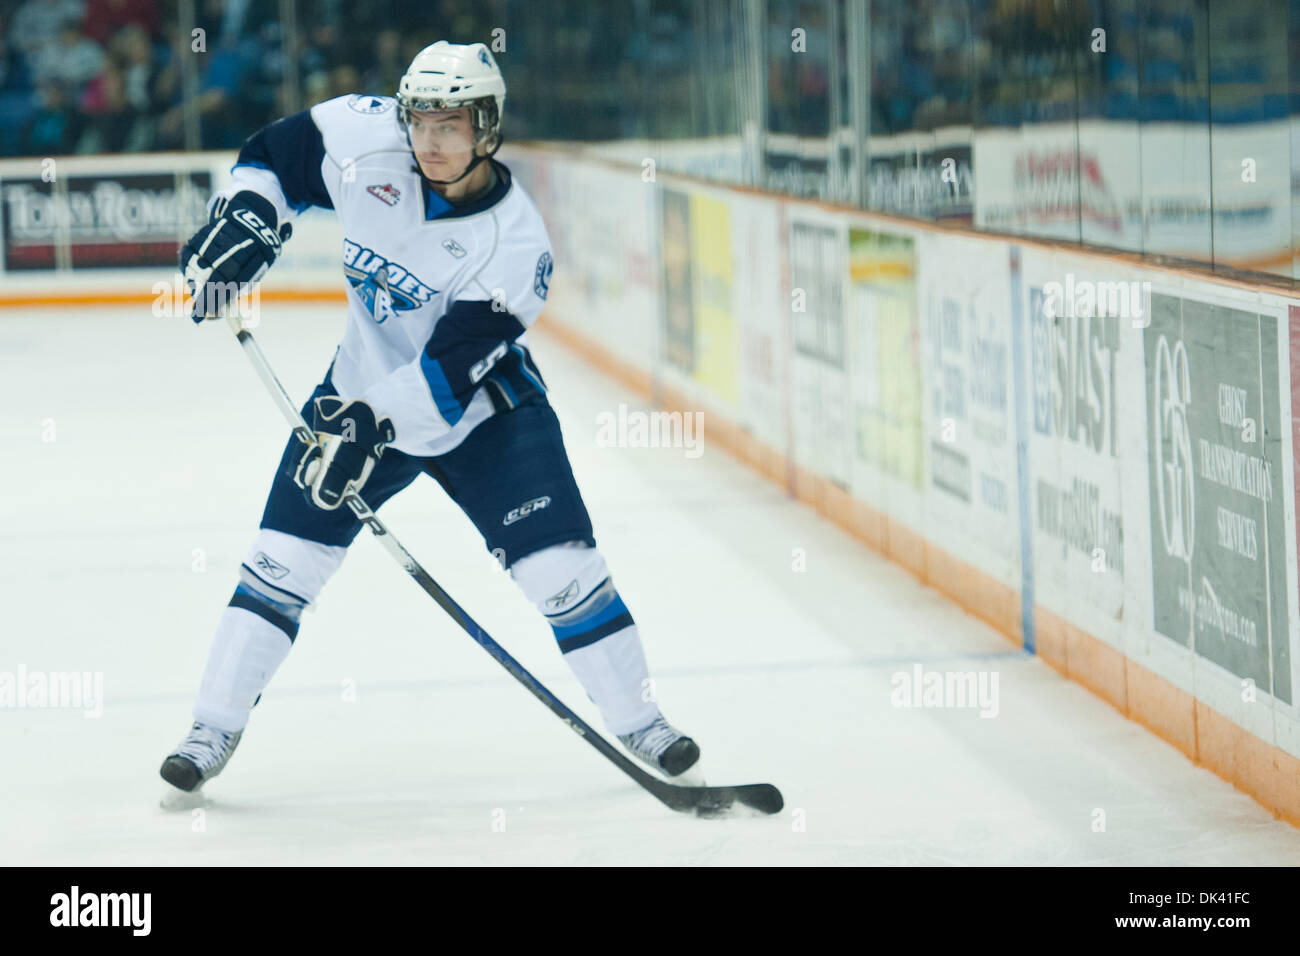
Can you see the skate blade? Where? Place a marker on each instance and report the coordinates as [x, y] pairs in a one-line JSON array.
[[178, 801]]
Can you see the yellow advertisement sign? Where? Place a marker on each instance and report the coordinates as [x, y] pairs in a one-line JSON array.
[[715, 330], [885, 366]]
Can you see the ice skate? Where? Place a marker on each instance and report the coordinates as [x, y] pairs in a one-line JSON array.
[[663, 747], [199, 757]]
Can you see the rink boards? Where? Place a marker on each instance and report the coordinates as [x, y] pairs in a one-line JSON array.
[[1092, 454]]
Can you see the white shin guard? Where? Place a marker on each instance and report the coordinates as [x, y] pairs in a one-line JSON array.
[[613, 672], [281, 574], [571, 586], [245, 655]]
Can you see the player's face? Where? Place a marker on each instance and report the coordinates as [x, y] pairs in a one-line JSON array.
[[443, 142]]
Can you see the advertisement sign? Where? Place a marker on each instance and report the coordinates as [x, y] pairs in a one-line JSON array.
[[678, 324], [711, 291], [1218, 526], [885, 356], [762, 318], [930, 182], [109, 221], [820, 384], [968, 408], [1074, 367], [1107, 182]]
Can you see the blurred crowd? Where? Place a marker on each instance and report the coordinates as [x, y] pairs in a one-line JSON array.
[[936, 63], [87, 76], [93, 76]]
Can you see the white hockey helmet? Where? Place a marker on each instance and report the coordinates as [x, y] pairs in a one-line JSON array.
[[447, 76]]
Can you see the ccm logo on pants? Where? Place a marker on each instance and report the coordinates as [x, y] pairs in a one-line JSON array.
[[527, 508]]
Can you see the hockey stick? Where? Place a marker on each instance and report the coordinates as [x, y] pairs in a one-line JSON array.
[[704, 801]]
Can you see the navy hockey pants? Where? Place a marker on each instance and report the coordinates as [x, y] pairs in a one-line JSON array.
[[514, 462]]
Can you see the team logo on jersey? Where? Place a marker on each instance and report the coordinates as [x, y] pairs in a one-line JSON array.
[[368, 104], [385, 287], [527, 508], [454, 247], [542, 277], [269, 566], [387, 192]]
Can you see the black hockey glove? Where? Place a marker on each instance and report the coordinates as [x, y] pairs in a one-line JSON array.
[[349, 441], [232, 251]]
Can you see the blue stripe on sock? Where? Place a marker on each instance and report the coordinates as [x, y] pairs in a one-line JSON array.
[[268, 590], [283, 616], [600, 595], [608, 619], [610, 611], [611, 626]]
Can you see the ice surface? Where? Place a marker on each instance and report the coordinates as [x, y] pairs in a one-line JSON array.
[[122, 535]]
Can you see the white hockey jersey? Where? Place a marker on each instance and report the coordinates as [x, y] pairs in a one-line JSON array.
[[438, 295]]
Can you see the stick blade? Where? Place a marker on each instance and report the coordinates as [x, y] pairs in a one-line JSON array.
[[762, 797], [719, 801]]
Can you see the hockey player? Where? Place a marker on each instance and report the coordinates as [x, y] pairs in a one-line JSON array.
[[447, 263]]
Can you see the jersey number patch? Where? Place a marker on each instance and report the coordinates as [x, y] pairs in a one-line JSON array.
[[484, 365]]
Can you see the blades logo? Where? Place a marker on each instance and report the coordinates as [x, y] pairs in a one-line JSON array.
[[385, 288]]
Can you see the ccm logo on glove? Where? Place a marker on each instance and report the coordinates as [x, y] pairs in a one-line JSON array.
[[255, 225], [239, 242]]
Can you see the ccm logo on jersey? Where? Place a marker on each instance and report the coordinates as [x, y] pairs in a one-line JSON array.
[[255, 224], [527, 508], [483, 365], [387, 192]]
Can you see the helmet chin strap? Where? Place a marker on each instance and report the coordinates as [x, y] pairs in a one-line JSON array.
[[473, 165]]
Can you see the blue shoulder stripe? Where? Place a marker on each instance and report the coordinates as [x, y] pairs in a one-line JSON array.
[[292, 149]]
